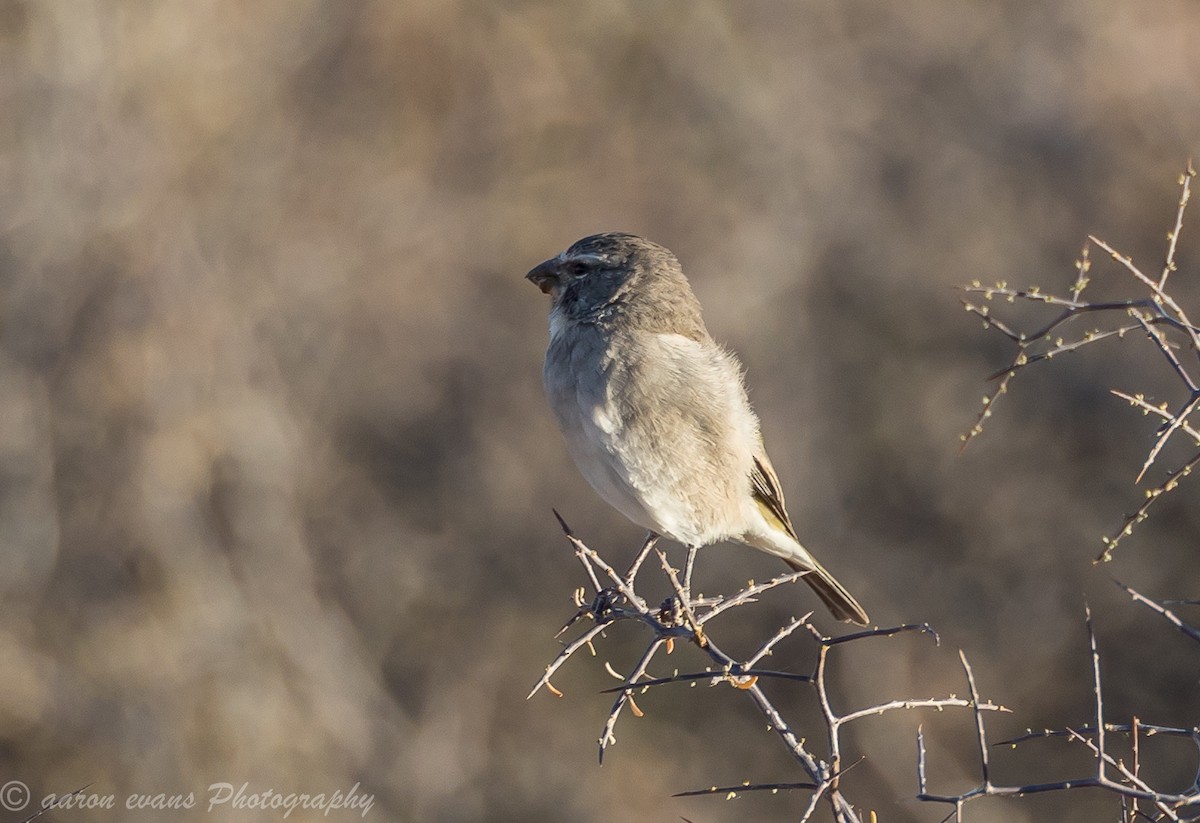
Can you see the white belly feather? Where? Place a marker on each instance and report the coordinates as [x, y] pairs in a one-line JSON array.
[[688, 485]]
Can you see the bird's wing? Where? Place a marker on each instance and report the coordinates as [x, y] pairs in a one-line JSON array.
[[768, 494]]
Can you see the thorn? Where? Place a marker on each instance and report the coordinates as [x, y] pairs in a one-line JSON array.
[[563, 523]]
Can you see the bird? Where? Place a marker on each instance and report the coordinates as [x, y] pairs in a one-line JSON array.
[[655, 412]]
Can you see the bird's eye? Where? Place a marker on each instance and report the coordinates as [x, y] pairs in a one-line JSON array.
[[577, 268]]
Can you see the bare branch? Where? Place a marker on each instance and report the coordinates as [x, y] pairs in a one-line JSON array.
[[749, 594], [606, 737], [563, 656], [1140, 401], [631, 575], [732, 791], [1176, 420], [1146, 729], [774, 640], [678, 619], [1129, 785], [1185, 194], [588, 558], [1160, 295], [1152, 496], [1169, 615], [1159, 316]]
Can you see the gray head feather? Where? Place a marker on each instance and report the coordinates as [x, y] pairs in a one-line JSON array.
[[605, 276]]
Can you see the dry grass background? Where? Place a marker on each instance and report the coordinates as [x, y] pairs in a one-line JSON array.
[[276, 471]]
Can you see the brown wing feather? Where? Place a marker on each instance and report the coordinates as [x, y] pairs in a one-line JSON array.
[[768, 495], [765, 486]]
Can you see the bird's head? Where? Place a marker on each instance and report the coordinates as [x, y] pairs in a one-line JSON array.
[[604, 269]]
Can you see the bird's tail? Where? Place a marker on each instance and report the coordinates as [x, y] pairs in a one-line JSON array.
[[782, 544], [833, 594]]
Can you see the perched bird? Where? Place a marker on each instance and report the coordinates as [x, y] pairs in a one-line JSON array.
[[654, 412]]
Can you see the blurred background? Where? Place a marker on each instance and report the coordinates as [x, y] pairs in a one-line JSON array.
[[275, 466]]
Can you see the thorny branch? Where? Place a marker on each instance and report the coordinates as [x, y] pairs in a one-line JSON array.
[[1123, 781], [1159, 318], [1156, 315], [1162, 610], [684, 618]]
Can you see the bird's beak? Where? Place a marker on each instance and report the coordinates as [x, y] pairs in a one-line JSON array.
[[545, 275]]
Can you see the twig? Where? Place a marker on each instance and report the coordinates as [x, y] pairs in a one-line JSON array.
[[733, 791], [586, 554], [1146, 729], [1140, 401], [606, 737], [1185, 194], [1130, 786], [1169, 615], [784, 631], [686, 618], [631, 575], [1158, 316]]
